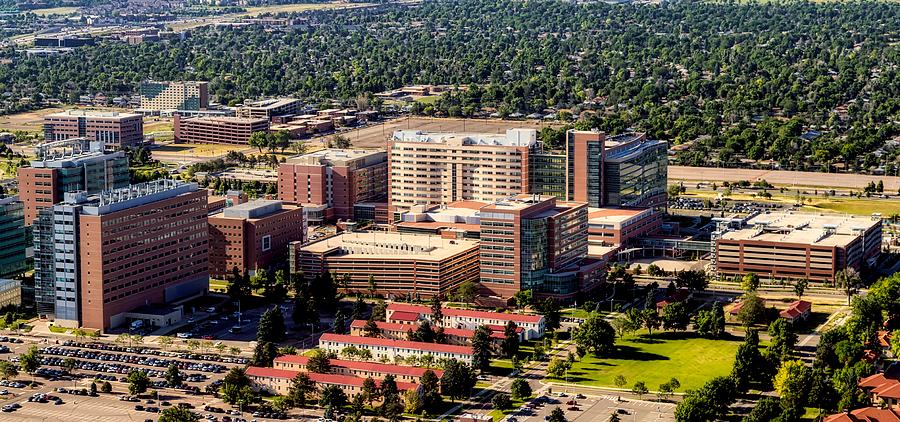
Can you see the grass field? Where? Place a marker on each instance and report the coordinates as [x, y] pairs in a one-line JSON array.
[[55, 11], [656, 359]]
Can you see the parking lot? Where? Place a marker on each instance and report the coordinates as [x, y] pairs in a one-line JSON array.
[[591, 408]]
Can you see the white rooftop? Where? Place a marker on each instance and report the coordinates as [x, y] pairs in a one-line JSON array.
[[512, 138]]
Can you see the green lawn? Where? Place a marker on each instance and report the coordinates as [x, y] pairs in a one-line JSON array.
[[656, 359]]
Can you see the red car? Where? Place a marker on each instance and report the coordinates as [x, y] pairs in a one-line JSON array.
[[574, 408], [207, 337]]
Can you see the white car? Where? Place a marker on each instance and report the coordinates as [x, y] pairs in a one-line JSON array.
[[183, 335]]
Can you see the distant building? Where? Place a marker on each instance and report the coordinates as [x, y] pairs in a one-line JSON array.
[[13, 239], [278, 381], [185, 95], [113, 129], [866, 414], [99, 257], [440, 168], [267, 109], [610, 230], [400, 265], [69, 166], [378, 371], [217, 130], [62, 40], [615, 171], [335, 179], [457, 336], [252, 235], [791, 245], [529, 242]]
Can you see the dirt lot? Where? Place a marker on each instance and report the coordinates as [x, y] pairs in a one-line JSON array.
[[30, 121], [376, 136], [782, 178]]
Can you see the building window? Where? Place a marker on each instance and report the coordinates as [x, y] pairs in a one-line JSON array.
[[266, 242]]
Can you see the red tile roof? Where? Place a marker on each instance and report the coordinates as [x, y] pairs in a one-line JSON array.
[[867, 414], [795, 309], [457, 332], [402, 344], [404, 316], [884, 339], [384, 368], [255, 371], [424, 310]]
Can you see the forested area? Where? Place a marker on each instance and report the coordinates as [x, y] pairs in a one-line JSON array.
[[740, 81]]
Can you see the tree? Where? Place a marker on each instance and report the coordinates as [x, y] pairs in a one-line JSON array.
[[752, 311], [319, 362], [30, 361], [639, 389], [424, 333], [258, 140], [595, 335], [359, 308], [69, 364], [8, 370], [138, 382], [373, 286], [675, 317], [651, 320], [379, 312], [340, 323], [848, 280], [501, 401], [431, 394], [750, 282], [557, 367], [371, 329], [106, 387], [165, 341], [749, 364], [791, 383], [523, 298], [437, 314], [510, 345], [708, 402], [458, 380], [300, 390], [412, 402], [370, 390], [481, 348], [467, 291], [620, 381], [549, 308], [264, 354], [339, 142], [557, 415], [822, 394], [271, 326], [520, 389], [332, 396], [237, 395], [174, 378], [178, 414], [693, 280], [783, 338], [800, 287], [391, 406], [766, 409]]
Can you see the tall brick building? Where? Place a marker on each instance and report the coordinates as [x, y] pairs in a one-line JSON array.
[[253, 235], [99, 257], [336, 179], [115, 130]]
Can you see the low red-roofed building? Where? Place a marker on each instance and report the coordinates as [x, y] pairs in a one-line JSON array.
[[533, 325], [459, 336], [884, 343], [868, 414], [680, 296], [883, 387], [383, 348], [377, 371], [798, 310], [278, 381]]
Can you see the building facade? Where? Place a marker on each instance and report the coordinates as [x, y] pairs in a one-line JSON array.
[[217, 130], [337, 179], [470, 319], [267, 109], [440, 168], [625, 170], [186, 95], [69, 166], [113, 129], [377, 371], [529, 242], [788, 245], [13, 240], [252, 235], [278, 381], [383, 348], [400, 265], [97, 257]]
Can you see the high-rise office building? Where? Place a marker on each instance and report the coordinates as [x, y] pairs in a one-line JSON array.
[[531, 242], [13, 241], [334, 181], [99, 257], [184, 95], [440, 168], [624, 170], [115, 130], [67, 166], [547, 174]]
